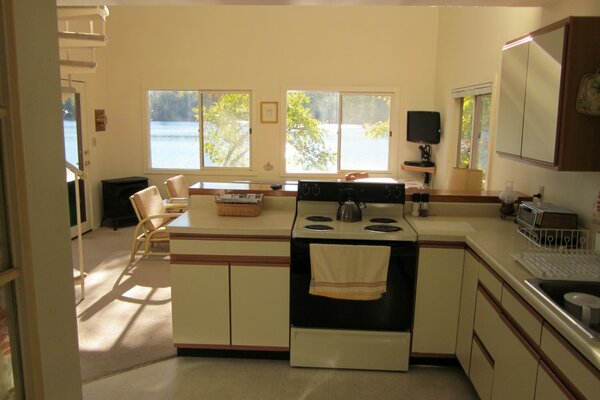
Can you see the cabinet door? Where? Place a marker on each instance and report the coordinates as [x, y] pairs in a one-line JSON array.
[[439, 276], [200, 301], [548, 387], [542, 96], [466, 314], [515, 367], [260, 305], [512, 97], [482, 370]]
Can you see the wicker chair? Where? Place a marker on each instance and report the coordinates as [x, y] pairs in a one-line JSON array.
[[153, 218]]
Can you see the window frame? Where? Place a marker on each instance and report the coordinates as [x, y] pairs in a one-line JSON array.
[[394, 132], [203, 170]]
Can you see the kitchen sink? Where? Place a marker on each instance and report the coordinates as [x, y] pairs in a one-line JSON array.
[[554, 291]]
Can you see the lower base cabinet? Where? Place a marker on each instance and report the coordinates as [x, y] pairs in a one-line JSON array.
[[200, 302], [228, 306], [439, 275], [515, 365], [513, 352], [259, 305]]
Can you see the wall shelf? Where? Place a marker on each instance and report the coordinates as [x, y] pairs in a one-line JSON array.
[[414, 168]]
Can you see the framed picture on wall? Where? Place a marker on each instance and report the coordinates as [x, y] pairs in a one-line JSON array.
[[268, 112]]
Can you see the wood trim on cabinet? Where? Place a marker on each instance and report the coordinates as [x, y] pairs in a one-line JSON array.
[[520, 337], [438, 244], [542, 364], [246, 260], [488, 295], [529, 310], [230, 347], [485, 352], [202, 236]]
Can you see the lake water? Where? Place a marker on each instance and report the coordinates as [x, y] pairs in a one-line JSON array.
[[176, 145]]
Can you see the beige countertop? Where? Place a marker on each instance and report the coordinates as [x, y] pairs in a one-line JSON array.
[[206, 222], [494, 240]]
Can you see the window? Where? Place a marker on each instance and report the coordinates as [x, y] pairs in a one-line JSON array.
[[199, 129], [328, 132], [474, 132]]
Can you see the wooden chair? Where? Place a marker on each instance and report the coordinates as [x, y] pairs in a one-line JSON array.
[[179, 194], [177, 187], [153, 218]]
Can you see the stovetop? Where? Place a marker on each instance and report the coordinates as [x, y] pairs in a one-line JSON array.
[[317, 220]]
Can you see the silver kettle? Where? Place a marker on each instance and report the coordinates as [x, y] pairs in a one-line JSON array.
[[349, 209]]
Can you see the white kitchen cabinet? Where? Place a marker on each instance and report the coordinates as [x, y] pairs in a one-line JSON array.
[[439, 277], [515, 365], [537, 117], [200, 302], [513, 80], [260, 305], [466, 315], [230, 293], [542, 94]]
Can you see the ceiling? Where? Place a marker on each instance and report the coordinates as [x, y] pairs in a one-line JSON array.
[[442, 3]]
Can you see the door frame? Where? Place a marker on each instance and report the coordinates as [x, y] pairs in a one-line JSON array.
[[79, 87]]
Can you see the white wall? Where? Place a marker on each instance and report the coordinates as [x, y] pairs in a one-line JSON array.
[[421, 52], [264, 49], [470, 52]]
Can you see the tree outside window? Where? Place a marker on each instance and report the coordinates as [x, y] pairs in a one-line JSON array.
[[199, 129], [474, 132], [329, 132]]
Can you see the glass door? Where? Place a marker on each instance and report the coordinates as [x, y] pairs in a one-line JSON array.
[[74, 129]]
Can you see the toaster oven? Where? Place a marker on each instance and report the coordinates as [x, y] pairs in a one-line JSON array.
[[545, 216]]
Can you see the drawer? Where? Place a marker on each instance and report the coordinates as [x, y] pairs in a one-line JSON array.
[[481, 371], [491, 281], [487, 321], [521, 313], [224, 247]]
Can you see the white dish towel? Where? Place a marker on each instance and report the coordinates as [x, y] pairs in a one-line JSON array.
[[348, 272]]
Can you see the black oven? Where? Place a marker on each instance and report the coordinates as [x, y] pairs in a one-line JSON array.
[[392, 312]]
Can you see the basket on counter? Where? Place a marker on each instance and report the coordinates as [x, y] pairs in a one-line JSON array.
[[239, 205]]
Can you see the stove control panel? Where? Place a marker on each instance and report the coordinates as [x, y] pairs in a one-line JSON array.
[[366, 192]]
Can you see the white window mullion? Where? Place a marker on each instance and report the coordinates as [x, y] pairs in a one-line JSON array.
[[201, 128], [339, 133]]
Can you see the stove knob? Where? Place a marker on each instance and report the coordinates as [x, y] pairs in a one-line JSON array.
[[316, 191], [305, 190], [387, 192]]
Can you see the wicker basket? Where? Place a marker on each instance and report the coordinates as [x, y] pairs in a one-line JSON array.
[[239, 209]]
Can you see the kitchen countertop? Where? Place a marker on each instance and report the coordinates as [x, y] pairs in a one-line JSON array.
[[205, 221], [494, 240]]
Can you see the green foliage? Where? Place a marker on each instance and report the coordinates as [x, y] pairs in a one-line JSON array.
[[172, 105], [69, 109], [225, 127], [305, 134], [466, 132]]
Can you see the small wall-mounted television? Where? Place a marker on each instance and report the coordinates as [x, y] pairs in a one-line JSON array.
[[423, 127]]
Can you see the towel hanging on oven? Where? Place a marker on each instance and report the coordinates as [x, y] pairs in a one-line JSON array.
[[348, 272]]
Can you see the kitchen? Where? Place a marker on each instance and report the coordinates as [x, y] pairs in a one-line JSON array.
[[443, 57]]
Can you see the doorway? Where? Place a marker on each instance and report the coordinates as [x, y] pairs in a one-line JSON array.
[[76, 152]]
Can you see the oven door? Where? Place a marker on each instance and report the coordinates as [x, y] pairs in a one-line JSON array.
[[392, 312]]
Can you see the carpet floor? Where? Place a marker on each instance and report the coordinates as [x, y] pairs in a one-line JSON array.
[[124, 320]]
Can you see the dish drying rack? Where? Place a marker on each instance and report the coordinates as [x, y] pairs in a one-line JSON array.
[[565, 254]]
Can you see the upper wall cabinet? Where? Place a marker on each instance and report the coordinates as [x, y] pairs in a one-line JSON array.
[[538, 121]]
